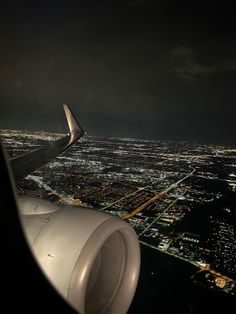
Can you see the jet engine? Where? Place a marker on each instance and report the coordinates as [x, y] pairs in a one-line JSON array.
[[91, 258]]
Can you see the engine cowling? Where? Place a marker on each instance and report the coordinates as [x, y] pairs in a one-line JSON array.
[[92, 258]]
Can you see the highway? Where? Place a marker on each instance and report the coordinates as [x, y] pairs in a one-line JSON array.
[[157, 196], [135, 192], [131, 194], [201, 268]]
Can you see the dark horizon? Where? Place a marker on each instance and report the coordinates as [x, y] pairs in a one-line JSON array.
[[134, 68]]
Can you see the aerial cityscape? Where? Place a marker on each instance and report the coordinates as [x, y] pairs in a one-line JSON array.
[[153, 85], [178, 196]]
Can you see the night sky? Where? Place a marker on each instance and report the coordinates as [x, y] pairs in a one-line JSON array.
[[146, 69]]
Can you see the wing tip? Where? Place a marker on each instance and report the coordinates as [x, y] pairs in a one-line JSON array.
[[73, 124]]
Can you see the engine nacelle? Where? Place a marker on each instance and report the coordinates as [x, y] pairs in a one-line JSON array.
[[92, 258]]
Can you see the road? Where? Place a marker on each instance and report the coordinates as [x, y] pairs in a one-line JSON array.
[[157, 196], [135, 192]]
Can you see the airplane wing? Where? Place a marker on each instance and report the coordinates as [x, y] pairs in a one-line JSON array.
[[91, 258], [25, 164]]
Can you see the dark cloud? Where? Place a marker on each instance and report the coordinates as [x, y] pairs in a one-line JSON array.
[[187, 67]]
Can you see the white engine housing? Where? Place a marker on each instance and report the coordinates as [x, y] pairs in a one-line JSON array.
[[92, 258]]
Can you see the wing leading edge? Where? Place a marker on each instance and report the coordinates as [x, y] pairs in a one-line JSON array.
[[29, 162]]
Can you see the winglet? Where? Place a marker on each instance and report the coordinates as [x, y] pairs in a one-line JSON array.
[[73, 124]]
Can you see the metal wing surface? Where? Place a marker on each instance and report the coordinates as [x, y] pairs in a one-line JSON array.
[[29, 162]]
